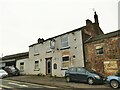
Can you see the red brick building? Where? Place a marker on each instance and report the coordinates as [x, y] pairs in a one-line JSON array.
[[102, 53]]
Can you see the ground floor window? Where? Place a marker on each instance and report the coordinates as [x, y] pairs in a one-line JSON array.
[[36, 65], [22, 66], [55, 66], [65, 62], [65, 58]]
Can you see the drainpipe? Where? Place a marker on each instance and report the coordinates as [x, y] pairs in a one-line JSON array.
[[83, 47]]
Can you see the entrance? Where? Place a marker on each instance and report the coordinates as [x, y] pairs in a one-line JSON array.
[[48, 66]]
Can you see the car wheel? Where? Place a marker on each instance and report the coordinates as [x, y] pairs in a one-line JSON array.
[[68, 79], [90, 81], [114, 84]]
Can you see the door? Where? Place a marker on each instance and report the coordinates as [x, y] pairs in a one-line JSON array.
[[81, 74], [48, 66]]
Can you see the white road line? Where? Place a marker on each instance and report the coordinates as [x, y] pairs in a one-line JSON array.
[[4, 86], [17, 84], [49, 86], [30, 84]]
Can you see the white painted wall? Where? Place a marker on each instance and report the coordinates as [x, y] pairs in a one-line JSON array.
[[26, 65], [76, 48]]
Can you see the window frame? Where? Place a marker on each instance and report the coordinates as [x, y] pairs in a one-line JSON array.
[[36, 66], [36, 51], [55, 65], [74, 69], [81, 70], [64, 41], [49, 48], [66, 57], [21, 66], [99, 50]]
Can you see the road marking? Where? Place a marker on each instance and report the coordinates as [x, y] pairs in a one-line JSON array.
[[4, 86], [38, 85], [49, 86], [17, 84]]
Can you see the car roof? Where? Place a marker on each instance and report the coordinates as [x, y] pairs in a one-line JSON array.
[[77, 67]]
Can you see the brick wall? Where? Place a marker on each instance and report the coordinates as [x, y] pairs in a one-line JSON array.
[[111, 52]]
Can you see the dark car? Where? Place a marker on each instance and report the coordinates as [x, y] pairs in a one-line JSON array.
[[82, 74], [12, 71]]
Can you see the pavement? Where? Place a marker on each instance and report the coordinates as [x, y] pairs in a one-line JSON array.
[[53, 81]]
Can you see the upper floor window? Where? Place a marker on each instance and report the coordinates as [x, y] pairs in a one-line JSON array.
[[99, 50], [36, 51], [48, 47], [64, 41]]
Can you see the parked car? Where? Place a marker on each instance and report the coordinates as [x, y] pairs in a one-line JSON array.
[[12, 71], [84, 75], [113, 81], [3, 73]]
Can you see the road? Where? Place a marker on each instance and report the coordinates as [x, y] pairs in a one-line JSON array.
[[15, 85]]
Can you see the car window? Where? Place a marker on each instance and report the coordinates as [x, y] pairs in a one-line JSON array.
[[72, 69], [2, 71], [80, 70]]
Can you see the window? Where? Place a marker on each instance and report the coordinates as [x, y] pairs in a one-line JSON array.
[[55, 66], [36, 65], [99, 50], [49, 48], [72, 69], [66, 58], [21, 66], [80, 70], [64, 41], [36, 51]]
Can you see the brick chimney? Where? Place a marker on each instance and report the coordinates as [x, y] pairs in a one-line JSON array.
[[40, 40], [96, 18]]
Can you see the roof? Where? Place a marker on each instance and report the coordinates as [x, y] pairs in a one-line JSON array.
[[104, 36], [60, 35], [16, 56]]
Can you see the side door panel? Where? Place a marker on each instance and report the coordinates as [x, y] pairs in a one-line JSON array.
[[81, 74], [72, 73]]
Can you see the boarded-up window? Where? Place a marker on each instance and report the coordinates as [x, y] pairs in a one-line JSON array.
[[110, 67]]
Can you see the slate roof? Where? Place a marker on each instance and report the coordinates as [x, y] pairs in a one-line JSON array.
[[16, 56], [104, 36], [78, 29]]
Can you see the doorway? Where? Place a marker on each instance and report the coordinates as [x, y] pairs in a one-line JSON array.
[[48, 66]]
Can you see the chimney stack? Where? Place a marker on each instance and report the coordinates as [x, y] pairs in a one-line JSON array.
[[40, 40], [96, 18]]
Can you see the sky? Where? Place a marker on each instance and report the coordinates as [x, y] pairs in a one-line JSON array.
[[22, 22]]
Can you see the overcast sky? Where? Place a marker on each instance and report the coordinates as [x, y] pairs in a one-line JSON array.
[[22, 22]]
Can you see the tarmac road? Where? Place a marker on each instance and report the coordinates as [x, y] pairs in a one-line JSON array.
[[56, 83], [16, 85]]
